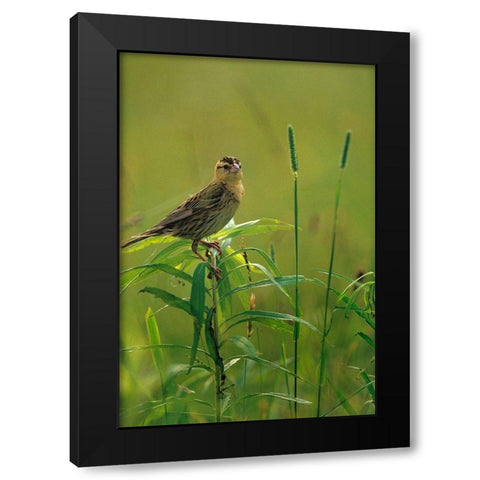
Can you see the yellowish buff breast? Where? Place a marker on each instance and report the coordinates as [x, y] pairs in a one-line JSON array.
[[237, 189]]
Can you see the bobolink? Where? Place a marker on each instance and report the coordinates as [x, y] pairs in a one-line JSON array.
[[205, 212]]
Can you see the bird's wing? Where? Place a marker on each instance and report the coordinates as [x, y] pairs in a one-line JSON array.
[[206, 198]]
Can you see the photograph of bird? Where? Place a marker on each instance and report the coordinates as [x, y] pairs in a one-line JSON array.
[[204, 213]]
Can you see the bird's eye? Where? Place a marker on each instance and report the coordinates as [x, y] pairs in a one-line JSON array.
[[225, 167]]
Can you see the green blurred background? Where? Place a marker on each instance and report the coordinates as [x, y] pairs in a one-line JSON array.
[[178, 116]]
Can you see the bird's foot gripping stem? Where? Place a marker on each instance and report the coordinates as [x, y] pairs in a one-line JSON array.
[[214, 245], [214, 269]]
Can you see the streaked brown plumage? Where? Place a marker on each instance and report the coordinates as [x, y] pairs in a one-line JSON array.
[[205, 212]]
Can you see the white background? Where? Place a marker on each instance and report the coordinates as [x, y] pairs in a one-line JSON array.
[[34, 95]]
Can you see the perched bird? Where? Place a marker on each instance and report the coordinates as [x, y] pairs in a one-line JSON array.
[[205, 212]]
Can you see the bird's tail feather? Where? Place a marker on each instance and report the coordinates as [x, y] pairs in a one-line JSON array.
[[142, 236]]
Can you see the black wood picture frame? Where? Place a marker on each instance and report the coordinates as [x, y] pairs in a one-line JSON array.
[[95, 437]]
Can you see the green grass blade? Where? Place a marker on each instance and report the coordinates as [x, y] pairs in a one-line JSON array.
[[351, 281], [197, 306], [138, 348], [271, 264], [203, 402], [154, 339], [242, 343], [164, 256], [279, 395], [168, 298], [237, 277], [157, 355], [356, 392], [354, 307], [231, 363], [354, 295], [197, 295], [131, 276], [367, 339], [369, 298], [260, 267], [358, 311], [344, 402], [282, 326], [272, 253], [369, 384], [146, 407], [167, 252], [253, 227], [282, 281], [155, 404], [177, 369], [159, 240], [265, 363], [260, 315]]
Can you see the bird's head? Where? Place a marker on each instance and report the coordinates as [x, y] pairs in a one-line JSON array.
[[228, 170]]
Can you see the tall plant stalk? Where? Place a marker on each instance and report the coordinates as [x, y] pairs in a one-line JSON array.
[[216, 339], [322, 372], [296, 328]]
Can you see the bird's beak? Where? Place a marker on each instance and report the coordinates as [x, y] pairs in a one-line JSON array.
[[235, 168]]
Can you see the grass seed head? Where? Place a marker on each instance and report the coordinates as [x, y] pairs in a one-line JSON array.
[[293, 150], [343, 161]]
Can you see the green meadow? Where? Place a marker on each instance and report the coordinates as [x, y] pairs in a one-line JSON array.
[[264, 342]]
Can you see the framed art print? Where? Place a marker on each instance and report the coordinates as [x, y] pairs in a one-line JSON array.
[[239, 239]]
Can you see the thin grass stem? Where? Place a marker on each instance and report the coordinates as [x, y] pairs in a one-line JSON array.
[[323, 359], [296, 328], [287, 384]]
